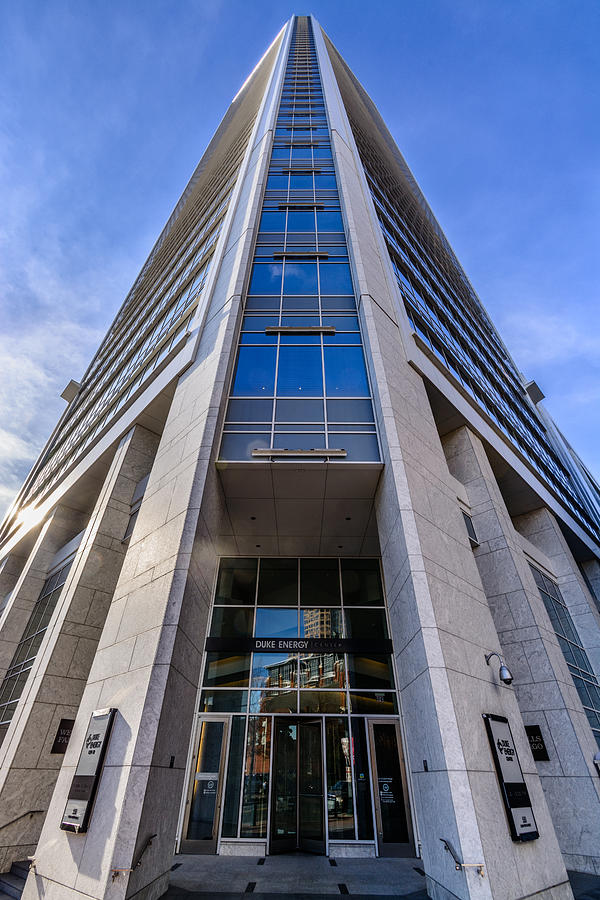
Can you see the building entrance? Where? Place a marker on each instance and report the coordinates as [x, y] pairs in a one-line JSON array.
[[200, 830], [298, 803]]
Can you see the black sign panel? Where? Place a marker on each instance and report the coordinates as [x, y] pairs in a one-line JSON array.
[[537, 744], [297, 645], [515, 795], [83, 788], [61, 741]]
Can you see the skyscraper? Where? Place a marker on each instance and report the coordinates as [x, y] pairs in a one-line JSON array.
[[304, 564]]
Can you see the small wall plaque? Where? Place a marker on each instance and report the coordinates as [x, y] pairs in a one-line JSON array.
[[61, 741], [537, 744]]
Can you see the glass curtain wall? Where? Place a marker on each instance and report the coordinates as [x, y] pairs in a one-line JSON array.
[[300, 380], [299, 598]]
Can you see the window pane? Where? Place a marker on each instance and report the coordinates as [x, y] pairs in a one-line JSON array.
[[256, 777], [227, 670], [240, 446], [300, 278], [248, 410], [349, 411], [322, 702], [237, 582], [277, 183], [300, 371], [373, 671], [374, 703], [340, 806], [276, 623], [273, 701], [329, 220], [361, 582], [362, 782], [273, 221], [255, 372], [320, 623], [358, 446], [231, 622], [322, 670], [345, 372], [275, 670], [266, 279], [366, 623], [301, 220], [278, 583], [299, 411], [335, 278], [233, 783], [286, 440], [223, 701], [319, 582], [301, 182]]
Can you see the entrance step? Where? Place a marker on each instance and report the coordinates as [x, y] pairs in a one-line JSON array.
[[12, 883]]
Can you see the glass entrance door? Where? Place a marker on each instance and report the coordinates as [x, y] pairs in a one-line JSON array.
[[297, 805], [392, 813], [201, 822]]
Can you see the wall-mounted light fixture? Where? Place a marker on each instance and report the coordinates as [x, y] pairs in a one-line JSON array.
[[504, 673]]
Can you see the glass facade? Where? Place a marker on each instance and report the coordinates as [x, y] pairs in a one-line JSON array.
[[300, 380], [577, 659], [298, 598], [449, 318], [23, 659]]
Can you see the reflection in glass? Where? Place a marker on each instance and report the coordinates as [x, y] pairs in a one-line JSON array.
[[340, 807], [256, 777], [345, 372], [206, 782], [322, 702], [233, 783], [231, 622], [389, 778], [319, 582], [223, 701], [320, 623], [276, 623], [255, 372], [366, 623], [323, 670], [275, 670], [278, 584], [273, 701], [372, 671], [237, 582], [285, 774], [227, 670], [361, 582], [375, 703], [362, 782]]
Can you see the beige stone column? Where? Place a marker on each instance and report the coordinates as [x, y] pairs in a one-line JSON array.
[[542, 682], [56, 681]]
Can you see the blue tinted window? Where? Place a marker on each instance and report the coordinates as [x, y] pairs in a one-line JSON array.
[[300, 371], [301, 182], [250, 410], [342, 323], [240, 446], [280, 153], [301, 220], [300, 278], [357, 446], [335, 278], [302, 153], [298, 410], [276, 623], [273, 221], [277, 183], [255, 372], [262, 303], [349, 411], [329, 220], [325, 183], [299, 441], [345, 373], [266, 279]]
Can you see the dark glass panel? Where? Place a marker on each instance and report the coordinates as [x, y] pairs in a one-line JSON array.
[[300, 371], [362, 782], [255, 372], [231, 622], [319, 582], [391, 792], [374, 703], [204, 797], [345, 372], [299, 441], [322, 702], [249, 410], [262, 303], [361, 582], [358, 446], [256, 777], [278, 583], [223, 701], [340, 806], [349, 411], [296, 410], [236, 585], [366, 623], [231, 805], [301, 303], [240, 446], [227, 670], [285, 775], [373, 671]]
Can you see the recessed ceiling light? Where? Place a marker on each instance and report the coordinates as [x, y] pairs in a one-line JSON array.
[[348, 518], [252, 518], [257, 545]]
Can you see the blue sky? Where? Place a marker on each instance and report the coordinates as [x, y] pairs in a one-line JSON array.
[[106, 107]]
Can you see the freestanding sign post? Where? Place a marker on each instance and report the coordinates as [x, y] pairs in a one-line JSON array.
[[83, 788], [515, 795]]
